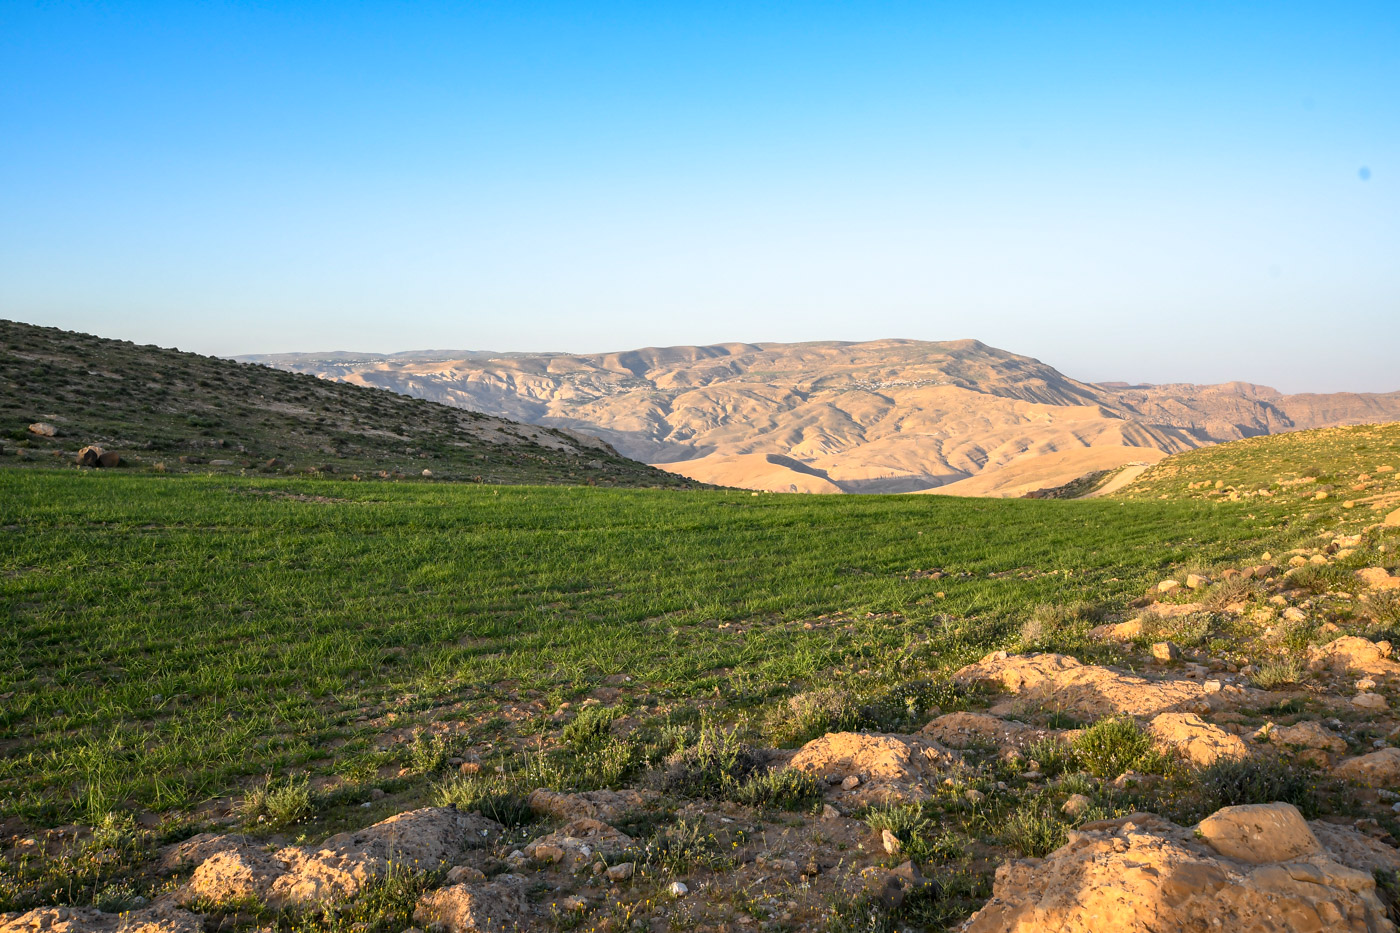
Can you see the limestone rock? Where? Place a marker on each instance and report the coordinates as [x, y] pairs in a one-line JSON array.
[[1261, 832], [43, 429], [962, 730], [1308, 734], [90, 455], [159, 918], [1195, 739], [1165, 651], [342, 865], [1141, 874], [889, 767], [492, 907], [1378, 578], [1121, 631], [605, 805], [1378, 769], [578, 842], [1352, 654], [1055, 681]]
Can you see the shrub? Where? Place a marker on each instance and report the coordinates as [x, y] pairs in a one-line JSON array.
[[590, 725], [1112, 746], [1034, 828], [683, 847], [493, 796], [1231, 782], [711, 767], [1053, 755], [428, 754], [1279, 672], [788, 789], [278, 804]]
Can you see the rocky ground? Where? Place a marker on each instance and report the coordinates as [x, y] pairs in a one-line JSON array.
[[1225, 756]]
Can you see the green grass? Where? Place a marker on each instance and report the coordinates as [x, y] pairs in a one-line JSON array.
[[171, 638]]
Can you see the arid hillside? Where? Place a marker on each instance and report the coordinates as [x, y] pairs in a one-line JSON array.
[[880, 416]]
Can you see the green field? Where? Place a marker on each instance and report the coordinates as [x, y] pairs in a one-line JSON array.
[[168, 639]]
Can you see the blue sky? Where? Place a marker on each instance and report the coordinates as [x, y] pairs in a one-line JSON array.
[[1158, 192]]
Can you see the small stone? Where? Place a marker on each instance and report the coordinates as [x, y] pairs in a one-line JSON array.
[[974, 796], [829, 812], [573, 902], [547, 852], [1365, 684], [1076, 806], [1196, 581], [620, 872], [1211, 686], [1294, 614], [678, 889], [891, 842], [1165, 651], [851, 783], [1369, 701], [43, 429], [1168, 586], [459, 874]]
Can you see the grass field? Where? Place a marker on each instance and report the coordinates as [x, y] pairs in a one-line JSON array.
[[167, 639]]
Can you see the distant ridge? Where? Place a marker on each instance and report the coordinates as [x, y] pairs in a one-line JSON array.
[[890, 415]]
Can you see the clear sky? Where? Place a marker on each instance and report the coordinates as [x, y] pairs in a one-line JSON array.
[[1151, 191]]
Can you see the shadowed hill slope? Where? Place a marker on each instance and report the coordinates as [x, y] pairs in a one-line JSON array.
[[190, 412]]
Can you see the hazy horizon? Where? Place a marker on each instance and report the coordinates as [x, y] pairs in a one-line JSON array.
[[1139, 195]]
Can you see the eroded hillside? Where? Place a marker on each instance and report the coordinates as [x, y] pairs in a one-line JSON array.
[[881, 416]]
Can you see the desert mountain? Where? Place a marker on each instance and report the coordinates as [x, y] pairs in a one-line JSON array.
[[880, 416]]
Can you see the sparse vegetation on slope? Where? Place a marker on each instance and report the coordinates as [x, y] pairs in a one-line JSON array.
[[176, 412]]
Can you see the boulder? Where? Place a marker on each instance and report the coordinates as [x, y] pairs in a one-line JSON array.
[[1142, 874], [1350, 654], [159, 918], [90, 456], [43, 429], [578, 842], [1308, 734], [963, 730], [887, 767], [1195, 739], [1258, 833], [1378, 769], [342, 865], [492, 907], [109, 460], [606, 805], [1378, 578], [1055, 681]]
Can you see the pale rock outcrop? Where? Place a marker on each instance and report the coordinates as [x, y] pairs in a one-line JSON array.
[[1352, 654], [885, 767], [1057, 681], [1308, 734], [578, 842], [1195, 739], [962, 730], [605, 805], [495, 906], [1378, 769], [1378, 578], [342, 865], [159, 918], [1143, 874]]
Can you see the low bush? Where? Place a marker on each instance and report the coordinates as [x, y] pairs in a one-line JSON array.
[[1112, 746], [278, 804]]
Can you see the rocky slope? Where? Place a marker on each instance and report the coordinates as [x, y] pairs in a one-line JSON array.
[[880, 416], [64, 395]]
